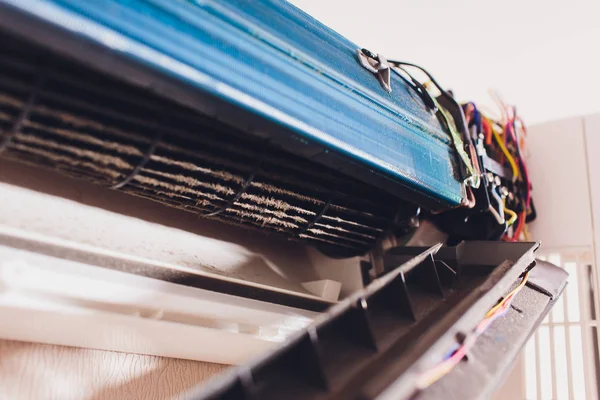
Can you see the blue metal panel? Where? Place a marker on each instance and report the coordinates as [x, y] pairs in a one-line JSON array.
[[272, 59]]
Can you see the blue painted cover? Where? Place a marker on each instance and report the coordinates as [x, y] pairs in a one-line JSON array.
[[272, 59]]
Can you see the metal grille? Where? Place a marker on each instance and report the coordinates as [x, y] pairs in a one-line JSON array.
[[561, 359], [60, 115]]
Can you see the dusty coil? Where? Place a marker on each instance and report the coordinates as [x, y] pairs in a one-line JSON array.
[[57, 114]]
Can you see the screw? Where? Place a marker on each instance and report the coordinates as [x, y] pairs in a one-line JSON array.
[[369, 54]]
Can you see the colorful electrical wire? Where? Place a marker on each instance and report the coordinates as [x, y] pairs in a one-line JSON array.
[[505, 139], [509, 158], [433, 375], [513, 215], [511, 129]]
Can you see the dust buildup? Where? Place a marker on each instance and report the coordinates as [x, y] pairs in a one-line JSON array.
[[101, 130]]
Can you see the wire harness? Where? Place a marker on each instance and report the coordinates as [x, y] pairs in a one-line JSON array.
[[455, 356]]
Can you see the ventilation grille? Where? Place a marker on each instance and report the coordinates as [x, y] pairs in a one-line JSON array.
[[57, 114], [391, 331]]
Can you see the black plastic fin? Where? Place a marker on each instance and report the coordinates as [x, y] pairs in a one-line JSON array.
[[427, 276]]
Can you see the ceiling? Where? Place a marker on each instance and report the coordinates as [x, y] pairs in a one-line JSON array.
[[541, 55]]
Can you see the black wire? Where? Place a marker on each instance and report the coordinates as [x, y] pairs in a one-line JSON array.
[[440, 88], [521, 159], [431, 78], [418, 88], [415, 85]]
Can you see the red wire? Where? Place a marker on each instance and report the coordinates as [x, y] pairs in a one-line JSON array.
[[525, 171], [508, 129], [519, 227], [487, 132]]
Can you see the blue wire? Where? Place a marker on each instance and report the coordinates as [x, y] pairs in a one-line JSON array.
[[476, 114]]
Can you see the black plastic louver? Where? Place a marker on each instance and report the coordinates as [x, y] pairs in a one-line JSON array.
[[58, 114], [394, 329]]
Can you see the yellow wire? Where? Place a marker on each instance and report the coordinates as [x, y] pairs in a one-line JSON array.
[[442, 369], [513, 215], [500, 103], [473, 178], [508, 296], [511, 160], [526, 233], [435, 375]]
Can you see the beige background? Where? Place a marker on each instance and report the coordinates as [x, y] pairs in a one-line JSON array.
[[40, 371], [528, 50]]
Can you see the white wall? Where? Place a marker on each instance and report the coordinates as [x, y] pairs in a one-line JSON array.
[[592, 143], [540, 54], [558, 165]]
